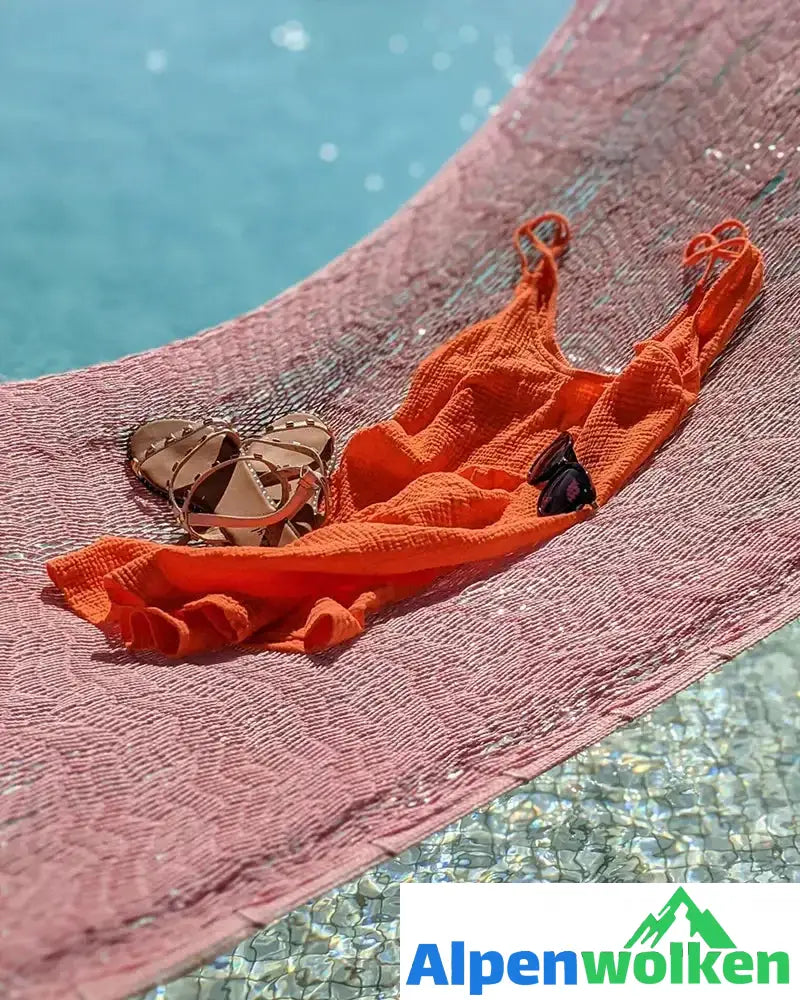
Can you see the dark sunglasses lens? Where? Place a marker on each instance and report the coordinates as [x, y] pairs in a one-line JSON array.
[[555, 454], [570, 489]]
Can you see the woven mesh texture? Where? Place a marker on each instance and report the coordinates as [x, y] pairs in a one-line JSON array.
[[152, 811]]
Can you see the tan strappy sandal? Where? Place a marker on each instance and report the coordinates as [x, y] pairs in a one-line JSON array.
[[298, 441], [157, 447], [261, 517], [215, 481]]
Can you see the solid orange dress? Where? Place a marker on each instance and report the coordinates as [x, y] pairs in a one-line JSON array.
[[440, 484]]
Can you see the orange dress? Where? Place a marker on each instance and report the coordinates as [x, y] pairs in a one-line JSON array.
[[440, 484]]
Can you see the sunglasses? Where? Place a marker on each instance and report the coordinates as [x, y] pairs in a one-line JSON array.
[[565, 483]]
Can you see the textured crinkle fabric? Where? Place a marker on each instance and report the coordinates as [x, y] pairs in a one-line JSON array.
[[153, 810], [443, 482]]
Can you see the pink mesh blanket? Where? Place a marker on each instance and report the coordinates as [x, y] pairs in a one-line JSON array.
[[152, 811]]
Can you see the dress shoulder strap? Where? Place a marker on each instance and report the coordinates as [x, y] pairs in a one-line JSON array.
[[716, 304], [709, 247], [544, 269]]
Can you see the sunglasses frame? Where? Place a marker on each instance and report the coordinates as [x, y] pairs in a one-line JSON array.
[[560, 452], [547, 472]]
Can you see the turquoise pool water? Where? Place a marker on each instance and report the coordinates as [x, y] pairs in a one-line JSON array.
[[164, 166]]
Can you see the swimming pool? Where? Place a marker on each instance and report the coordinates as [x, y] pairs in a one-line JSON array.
[[165, 167]]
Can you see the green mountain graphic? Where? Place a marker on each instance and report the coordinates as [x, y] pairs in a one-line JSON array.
[[701, 923]]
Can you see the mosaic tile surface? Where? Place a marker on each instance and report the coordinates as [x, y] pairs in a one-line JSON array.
[[705, 788]]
